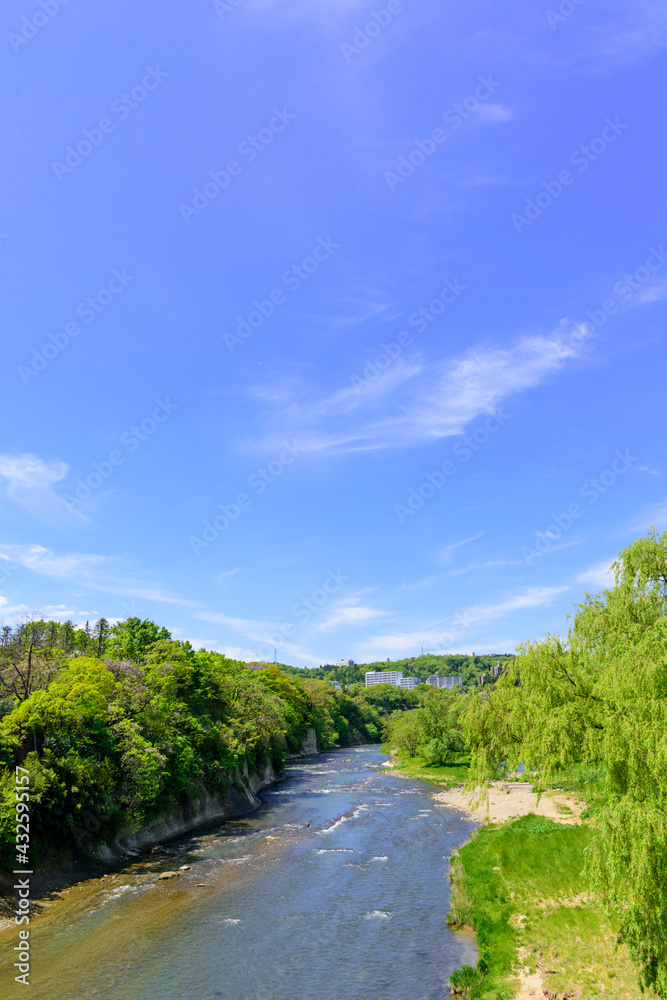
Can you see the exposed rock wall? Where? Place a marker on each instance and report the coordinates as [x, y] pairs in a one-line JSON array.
[[195, 813], [309, 746]]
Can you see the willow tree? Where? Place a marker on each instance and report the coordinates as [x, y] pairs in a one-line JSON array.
[[598, 698]]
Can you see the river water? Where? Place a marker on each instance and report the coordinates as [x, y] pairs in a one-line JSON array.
[[350, 907]]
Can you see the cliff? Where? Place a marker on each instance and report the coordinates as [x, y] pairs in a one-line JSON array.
[[240, 798]]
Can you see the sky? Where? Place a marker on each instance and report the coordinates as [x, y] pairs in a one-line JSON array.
[[330, 329]]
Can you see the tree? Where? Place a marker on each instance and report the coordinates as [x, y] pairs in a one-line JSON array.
[[100, 633], [599, 698], [438, 751], [131, 639], [401, 730]]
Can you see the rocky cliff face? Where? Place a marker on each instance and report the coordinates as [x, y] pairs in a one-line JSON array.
[[309, 745], [240, 798]]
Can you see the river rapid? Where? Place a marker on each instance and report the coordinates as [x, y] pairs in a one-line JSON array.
[[349, 907]]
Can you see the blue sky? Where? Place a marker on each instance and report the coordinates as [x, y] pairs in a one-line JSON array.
[[330, 327]]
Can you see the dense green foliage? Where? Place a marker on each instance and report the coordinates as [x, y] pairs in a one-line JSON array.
[[432, 730], [113, 741], [421, 667], [598, 699]]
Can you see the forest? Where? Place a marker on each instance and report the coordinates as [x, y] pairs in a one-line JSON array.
[[118, 723]]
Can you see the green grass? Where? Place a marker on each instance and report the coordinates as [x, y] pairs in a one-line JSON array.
[[416, 767], [520, 887]]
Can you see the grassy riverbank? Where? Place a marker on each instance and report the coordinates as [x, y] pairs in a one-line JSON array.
[[452, 774], [519, 885]]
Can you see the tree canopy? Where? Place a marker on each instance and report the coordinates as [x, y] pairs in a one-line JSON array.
[[598, 698]]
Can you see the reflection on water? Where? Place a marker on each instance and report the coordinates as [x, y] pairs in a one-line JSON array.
[[337, 888]]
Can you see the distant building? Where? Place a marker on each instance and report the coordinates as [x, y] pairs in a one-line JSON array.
[[484, 679], [345, 663], [497, 670], [409, 682], [335, 684], [435, 680], [393, 677]]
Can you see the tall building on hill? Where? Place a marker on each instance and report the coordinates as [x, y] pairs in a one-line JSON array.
[[345, 663], [393, 677], [435, 680]]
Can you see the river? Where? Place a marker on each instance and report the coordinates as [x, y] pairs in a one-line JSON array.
[[335, 889]]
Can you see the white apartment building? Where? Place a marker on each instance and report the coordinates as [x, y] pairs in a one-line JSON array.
[[393, 677], [435, 680], [409, 682], [345, 663]]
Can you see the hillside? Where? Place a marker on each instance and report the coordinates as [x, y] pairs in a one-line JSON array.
[[468, 667]]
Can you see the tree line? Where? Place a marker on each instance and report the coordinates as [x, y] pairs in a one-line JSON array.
[[593, 703], [118, 724]]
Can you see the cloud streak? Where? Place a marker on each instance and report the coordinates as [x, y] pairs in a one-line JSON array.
[[28, 481], [425, 402], [86, 570]]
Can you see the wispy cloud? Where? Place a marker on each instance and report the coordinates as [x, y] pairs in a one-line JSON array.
[[424, 402], [654, 292], [28, 481], [446, 554], [444, 636], [491, 113], [599, 575], [490, 564], [629, 28], [252, 628], [86, 569], [348, 611]]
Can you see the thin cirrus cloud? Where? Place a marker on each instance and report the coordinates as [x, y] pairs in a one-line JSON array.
[[28, 481], [86, 569], [423, 402], [349, 611], [446, 553], [440, 636]]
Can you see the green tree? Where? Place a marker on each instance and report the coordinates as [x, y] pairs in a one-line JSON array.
[[598, 698], [402, 730], [132, 638]]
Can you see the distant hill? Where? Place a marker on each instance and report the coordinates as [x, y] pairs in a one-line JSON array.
[[468, 667]]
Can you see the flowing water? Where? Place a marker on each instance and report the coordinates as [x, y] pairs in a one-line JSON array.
[[349, 907]]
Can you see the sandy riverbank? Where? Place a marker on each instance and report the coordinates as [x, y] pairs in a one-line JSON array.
[[505, 801]]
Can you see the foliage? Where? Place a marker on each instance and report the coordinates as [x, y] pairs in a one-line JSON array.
[[597, 699], [115, 741], [432, 730], [421, 667]]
